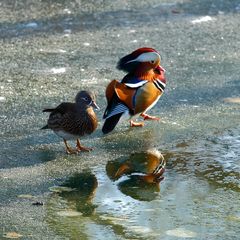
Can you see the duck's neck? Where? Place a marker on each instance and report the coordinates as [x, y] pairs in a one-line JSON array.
[[145, 75]]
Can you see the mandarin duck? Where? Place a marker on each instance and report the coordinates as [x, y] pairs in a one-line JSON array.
[[73, 120], [138, 175], [138, 91], [147, 166]]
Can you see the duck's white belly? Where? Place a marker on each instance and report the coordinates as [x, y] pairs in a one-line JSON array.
[[65, 135]]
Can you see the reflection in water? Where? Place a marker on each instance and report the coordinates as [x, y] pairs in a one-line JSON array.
[[70, 204], [138, 189], [144, 171], [118, 211], [71, 212], [83, 187]]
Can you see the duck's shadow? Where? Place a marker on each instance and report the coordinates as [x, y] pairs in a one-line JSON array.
[[26, 151]]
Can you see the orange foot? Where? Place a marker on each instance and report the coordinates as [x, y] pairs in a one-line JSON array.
[[136, 124], [80, 148], [69, 150], [148, 117]]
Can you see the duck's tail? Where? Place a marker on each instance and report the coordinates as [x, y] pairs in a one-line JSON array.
[[111, 122], [49, 110], [45, 127]]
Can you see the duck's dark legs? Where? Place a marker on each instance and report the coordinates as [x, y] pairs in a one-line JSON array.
[[82, 148], [69, 150]]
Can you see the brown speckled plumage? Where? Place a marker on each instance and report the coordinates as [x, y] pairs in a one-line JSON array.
[[73, 120]]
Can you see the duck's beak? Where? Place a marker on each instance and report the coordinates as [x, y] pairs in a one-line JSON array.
[[94, 105], [161, 72], [161, 68]]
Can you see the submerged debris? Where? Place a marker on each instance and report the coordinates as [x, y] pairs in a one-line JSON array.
[[37, 203], [202, 19], [12, 235], [181, 233], [69, 213], [232, 100]]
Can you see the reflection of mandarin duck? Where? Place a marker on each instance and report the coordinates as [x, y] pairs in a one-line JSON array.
[[146, 166], [72, 120], [138, 189], [138, 91]]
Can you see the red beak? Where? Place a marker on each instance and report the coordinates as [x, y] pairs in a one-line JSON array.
[[161, 71], [161, 68]]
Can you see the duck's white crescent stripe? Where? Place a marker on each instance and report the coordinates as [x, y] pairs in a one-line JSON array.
[[159, 81], [160, 85], [136, 85], [146, 57]]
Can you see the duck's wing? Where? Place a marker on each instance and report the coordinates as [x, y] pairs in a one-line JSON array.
[[61, 108], [121, 99], [121, 96], [115, 104], [59, 114]]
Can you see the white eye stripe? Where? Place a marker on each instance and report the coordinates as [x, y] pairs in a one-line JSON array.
[[85, 99], [146, 57]]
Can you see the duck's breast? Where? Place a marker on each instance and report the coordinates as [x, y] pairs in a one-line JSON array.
[[146, 97], [86, 123]]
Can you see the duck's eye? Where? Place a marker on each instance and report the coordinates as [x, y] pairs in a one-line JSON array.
[[152, 61], [85, 99]]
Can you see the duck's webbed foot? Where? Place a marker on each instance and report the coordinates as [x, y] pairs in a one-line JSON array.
[[69, 150], [148, 117], [136, 124], [81, 148]]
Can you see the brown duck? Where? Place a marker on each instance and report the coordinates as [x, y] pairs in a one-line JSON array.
[[70, 121]]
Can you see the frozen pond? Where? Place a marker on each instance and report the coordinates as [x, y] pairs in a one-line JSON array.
[[52, 49]]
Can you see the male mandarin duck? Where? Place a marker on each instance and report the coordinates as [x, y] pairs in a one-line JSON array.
[[138, 175], [138, 91], [73, 120], [147, 166]]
